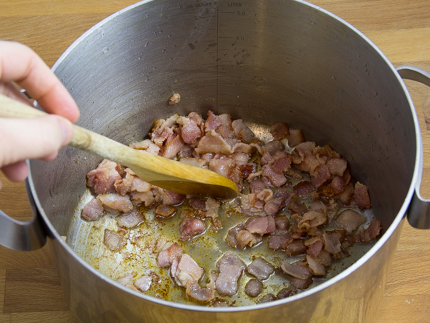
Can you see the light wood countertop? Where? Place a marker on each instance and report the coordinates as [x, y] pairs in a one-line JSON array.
[[30, 290]]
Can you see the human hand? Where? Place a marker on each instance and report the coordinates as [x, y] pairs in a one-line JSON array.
[[41, 137]]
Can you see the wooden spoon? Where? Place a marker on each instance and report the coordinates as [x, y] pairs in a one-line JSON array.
[[159, 171]]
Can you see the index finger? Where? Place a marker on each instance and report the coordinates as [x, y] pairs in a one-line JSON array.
[[20, 64]]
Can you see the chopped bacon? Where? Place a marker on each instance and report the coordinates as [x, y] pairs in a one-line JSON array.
[[230, 268], [187, 271], [197, 203], [279, 131], [171, 198], [361, 196], [113, 201], [143, 283], [262, 225], [280, 239], [315, 248], [242, 131], [253, 287], [190, 228], [275, 178], [165, 210], [168, 253], [295, 137], [272, 147], [201, 294], [190, 130], [260, 268], [273, 206], [212, 142], [337, 166], [93, 210], [172, 147], [315, 267], [333, 241], [222, 166], [303, 189], [372, 231], [297, 270], [312, 219], [295, 247], [349, 220], [103, 178], [130, 219], [115, 240]]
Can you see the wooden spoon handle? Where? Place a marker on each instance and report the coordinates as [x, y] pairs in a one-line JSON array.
[[159, 171]]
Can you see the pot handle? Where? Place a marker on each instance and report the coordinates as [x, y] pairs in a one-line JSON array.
[[419, 208], [23, 235]]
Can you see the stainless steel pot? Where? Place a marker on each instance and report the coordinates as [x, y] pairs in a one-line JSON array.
[[265, 62]]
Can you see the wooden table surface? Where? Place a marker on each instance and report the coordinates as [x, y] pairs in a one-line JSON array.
[[30, 290]]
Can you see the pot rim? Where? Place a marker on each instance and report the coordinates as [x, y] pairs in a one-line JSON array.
[[383, 239]]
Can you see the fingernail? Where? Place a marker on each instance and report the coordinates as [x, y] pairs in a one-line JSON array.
[[66, 129]]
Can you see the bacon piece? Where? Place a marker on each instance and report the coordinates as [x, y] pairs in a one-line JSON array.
[[337, 166], [113, 201], [272, 147], [130, 219], [223, 166], [262, 225], [147, 198], [198, 162], [280, 239], [242, 132], [212, 142], [165, 210], [303, 189], [315, 267], [168, 253], [349, 220], [171, 198], [297, 206], [322, 175], [127, 281], [260, 268], [297, 270], [103, 178], [275, 178], [143, 283], [230, 268], [279, 131], [187, 271], [213, 121], [295, 137], [92, 211], [372, 231], [295, 247], [253, 287], [172, 147], [189, 228], [315, 248], [146, 145], [197, 203], [203, 295], [273, 206], [345, 197], [333, 241], [312, 219], [114, 240], [361, 196], [190, 130]]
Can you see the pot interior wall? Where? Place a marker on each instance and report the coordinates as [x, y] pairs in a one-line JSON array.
[[265, 62]]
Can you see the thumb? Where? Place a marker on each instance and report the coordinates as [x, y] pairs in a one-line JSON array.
[[40, 137]]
